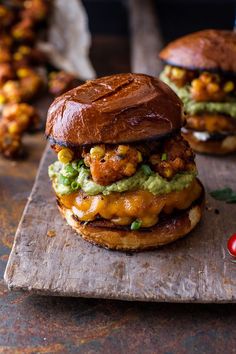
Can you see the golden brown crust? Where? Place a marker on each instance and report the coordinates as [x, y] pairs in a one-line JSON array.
[[212, 123], [114, 109], [208, 49], [104, 234], [214, 147]]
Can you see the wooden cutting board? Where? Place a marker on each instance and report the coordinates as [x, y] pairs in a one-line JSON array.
[[194, 269]]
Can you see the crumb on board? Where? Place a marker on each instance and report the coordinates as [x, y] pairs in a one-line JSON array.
[[51, 233], [216, 211], [208, 208]]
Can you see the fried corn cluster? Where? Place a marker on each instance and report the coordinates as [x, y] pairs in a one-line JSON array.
[[204, 86], [16, 119], [21, 22], [175, 156]]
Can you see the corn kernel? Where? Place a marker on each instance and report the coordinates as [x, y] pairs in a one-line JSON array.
[[129, 169], [13, 128], [24, 49], [23, 118], [17, 56], [18, 33], [12, 91], [21, 73], [213, 87], [148, 221], [65, 155], [168, 172], [97, 152], [197, 84], [228, 86], [10, 85], [167, 69], [178, 73], [206, 78], [2, 99], [122, 149], [140, 158]]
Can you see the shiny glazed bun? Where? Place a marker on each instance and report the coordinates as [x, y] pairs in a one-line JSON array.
[[208, 50], [224, 146], [114, 109]]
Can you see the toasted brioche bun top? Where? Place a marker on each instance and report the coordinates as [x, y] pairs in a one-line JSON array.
[[208, 50], [114, 109]]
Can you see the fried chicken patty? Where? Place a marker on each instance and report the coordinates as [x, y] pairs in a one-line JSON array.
[[212, 123], [109, 164], [204, 86], [175, 156]]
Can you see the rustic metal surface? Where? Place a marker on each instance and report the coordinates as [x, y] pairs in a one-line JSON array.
[[34, 324]]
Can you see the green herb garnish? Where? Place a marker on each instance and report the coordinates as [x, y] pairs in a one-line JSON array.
[[77, 164], [70, 171], [136, 225], [64, 180], [74, 185], [164, 156], [226, 194], [147, 170]]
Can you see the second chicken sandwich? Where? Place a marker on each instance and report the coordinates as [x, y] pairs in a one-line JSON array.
[[201, 69]]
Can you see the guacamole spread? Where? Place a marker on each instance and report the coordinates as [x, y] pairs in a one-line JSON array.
[[70, 177], [193, 107]]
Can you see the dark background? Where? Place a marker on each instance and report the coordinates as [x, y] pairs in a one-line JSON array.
[[175, 17]]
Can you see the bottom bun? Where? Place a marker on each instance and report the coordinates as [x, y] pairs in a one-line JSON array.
[[226, 145], [105, 234]]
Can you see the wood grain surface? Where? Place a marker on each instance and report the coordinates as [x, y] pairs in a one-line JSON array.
[[194, 269]]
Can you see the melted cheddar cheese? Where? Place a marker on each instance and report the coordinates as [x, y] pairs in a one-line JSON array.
[[124, 208]]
